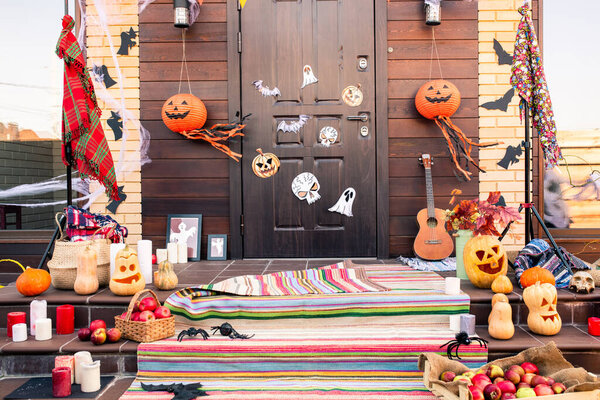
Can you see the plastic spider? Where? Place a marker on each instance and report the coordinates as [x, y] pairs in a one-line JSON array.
[[192, 332], [462, 338], [227, 330]]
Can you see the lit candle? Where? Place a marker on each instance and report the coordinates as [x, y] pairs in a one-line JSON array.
[[452, 286], [90, 376], [594, 326], [144, 251], [37, 310], [114, 249], [455, 323], [65, 319], [61, 382], [172, 252], [467, 323], [43, 329], [161, 255], [13, 318], [19, 332], [81, 357], [182, 253], [66, 361]]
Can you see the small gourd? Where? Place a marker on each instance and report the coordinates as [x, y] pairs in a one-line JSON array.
[[536, 274], [543, 318], [165, 278], [127, 278], [500, 324], [87, 277], [502, 284], [32, 281]]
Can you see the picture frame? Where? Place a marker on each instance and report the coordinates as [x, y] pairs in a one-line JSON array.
[[216, 248], [188, 228]]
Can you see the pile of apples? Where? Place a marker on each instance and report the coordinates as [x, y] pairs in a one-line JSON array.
[[517, 382], [98, 334], [148, 309]]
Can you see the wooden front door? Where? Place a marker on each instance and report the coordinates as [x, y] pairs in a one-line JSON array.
[[336, 39]]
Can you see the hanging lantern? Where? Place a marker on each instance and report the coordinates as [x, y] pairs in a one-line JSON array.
[[433, 12], [183, 112], [181, 9]]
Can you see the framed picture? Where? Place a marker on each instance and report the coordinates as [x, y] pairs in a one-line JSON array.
[[186, 228], [217, 247]]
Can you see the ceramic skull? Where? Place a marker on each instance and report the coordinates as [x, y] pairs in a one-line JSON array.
[[306, 187], [582, 282]]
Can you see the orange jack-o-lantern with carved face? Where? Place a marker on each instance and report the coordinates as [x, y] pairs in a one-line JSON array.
[[485, 259], [265, 165], [184, 112], [543, 317], [127, 278], [438, 98]]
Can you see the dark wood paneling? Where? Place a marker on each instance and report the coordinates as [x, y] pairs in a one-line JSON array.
[[424, 128], [166, 33], [404, 30], [419, 69], [151, 109]]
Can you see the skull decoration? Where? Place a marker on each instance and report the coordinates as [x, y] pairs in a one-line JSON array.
[[328, 135], [306, 187], [543, 317], [582, 282]]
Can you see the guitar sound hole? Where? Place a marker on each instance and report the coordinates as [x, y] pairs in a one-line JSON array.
[[432, 222]]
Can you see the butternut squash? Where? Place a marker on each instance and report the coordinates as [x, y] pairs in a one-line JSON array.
[[86, 281], [500, 325], [165, 278]]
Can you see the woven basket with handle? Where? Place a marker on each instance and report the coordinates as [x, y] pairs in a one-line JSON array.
[[144, 331]]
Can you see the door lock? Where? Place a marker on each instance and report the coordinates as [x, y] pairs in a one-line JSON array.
[[362, 63], [361, 117], [364, 131]]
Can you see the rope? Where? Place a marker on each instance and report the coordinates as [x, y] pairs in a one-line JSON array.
[[434, 46], [184, 62]]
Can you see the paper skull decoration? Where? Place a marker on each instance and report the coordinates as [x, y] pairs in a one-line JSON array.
[[328, 135], [127, 278], [306, 187], [183, 112], [265, 165], [485, 259], [344, 203], [307, 76], [543, 317], [582, 282]]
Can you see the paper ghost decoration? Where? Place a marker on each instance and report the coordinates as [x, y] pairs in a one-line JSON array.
[[344, 203], [116, 124], [328, 135], [127, 42], [309, 77], [306, 187], [293, 126], [265, 90], [102, 76], [511, 156]]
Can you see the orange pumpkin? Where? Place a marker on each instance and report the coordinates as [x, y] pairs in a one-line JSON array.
[[485, 259], [438, 98], [32, 281], [183, 112], [536, 274]]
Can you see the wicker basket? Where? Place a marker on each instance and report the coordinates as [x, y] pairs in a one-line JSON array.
[[146, 331]]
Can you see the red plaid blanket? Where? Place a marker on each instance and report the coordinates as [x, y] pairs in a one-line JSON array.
[[84, 225]]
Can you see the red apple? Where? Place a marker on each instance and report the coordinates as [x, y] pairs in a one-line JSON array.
[[513, 375], [507, 387], [148, 304], [135, 316], [164, 312], [523, 385], [84, 334], [498, 380], [136, 306], [476, 392], [558, 388], [492, 392], [98, 336], [146, 316], [462, 378], [153, 258], [527, 378], [550, 381], [530, 367], [539, 380], [543, 390], [113, 335], [96, 324], [518, 369], [481, 381], [508, 396], [446, 376]]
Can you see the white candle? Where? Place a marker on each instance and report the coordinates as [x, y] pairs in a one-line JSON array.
[[81, 357], [37, 310], [114, 249], [172, 252], [43, 329], [19, 332], [161, 255], [144, 250], [452, 285], [90, 376], [182, 253], [455, 323]]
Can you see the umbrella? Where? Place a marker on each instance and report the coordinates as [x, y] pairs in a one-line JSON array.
[[529, 81], [81, 128]]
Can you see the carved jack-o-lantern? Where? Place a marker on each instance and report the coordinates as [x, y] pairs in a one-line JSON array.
[[543, 316], [485, 259], [183, 113], [127, 278], [265, 165]]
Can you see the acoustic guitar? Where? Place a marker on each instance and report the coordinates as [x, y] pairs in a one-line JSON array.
[[433, 241]]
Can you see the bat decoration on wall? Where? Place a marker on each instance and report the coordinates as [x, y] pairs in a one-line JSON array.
[[308, 76], [511, 156], [116, 124], [293, 126], [127, 42], [102, 76], [501, 202], [265, 90], [180, 390], [344, 203], [503, 57], [113, 205], [501, 103]]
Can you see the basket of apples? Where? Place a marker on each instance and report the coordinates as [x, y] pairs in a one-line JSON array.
[[145, 319]]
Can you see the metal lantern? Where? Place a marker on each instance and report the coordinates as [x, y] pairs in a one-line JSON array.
[[433, 12], [181, 10]]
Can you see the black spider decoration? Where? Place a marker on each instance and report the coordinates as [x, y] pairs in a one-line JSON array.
[[192, 332], [462, 338], [181, 391], [227, 330]]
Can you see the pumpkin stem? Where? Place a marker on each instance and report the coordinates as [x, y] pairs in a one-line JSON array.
[[260, 152], [16, 262]]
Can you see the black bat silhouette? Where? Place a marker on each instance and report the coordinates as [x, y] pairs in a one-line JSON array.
[[181, 391], [102, 76], [116, 124], [501, 103], [114, 204], [127, 42], [511, 156], [501, 202], [503, 57]]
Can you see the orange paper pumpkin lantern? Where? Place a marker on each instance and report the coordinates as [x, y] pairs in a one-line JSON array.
[[183, 112], [437, 98]]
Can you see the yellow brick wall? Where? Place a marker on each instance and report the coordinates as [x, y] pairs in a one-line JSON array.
[[499, 19], [121, 15]]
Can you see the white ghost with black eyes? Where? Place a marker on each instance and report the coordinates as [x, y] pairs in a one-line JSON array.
[[344, 203]]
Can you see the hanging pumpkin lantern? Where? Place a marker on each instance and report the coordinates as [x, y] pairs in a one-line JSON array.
[[183, 112], [438, 100], [543, 317], [265, 165], [485, 259], [127, 278], [536, 274], [32, 281]]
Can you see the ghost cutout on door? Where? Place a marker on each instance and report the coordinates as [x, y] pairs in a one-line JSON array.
[[328, 135], [308, 76], [344, 203], [306, 187]]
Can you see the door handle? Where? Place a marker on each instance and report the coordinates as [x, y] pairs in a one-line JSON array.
[[362, 117]]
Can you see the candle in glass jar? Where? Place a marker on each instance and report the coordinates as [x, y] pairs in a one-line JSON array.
[[61, 382], [38, 309], [65, 319], [66, 361], [172, 252], [43, 330], [161, 255], [13, 318], [182, 253], [114, 249], [144, 251], [19, 332], [81, 357], [90, 376]]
